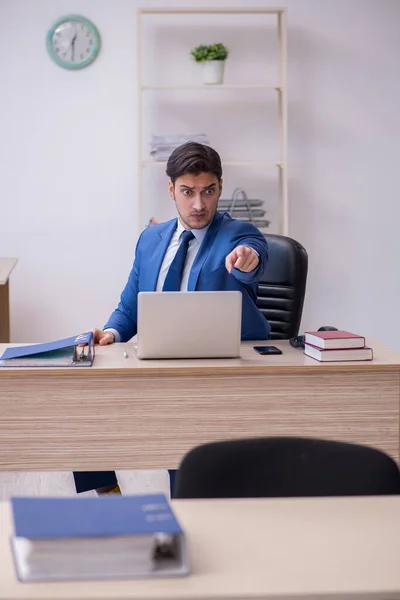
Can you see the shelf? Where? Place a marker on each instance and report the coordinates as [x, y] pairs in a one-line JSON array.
[[223, 86], [215, 11], [276, 82], [225, 163]]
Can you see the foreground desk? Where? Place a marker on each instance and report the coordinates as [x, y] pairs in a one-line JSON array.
[[248, 549], [124, 413], [6, 266]]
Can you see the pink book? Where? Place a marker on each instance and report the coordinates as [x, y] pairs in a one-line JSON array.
[[333, 340]]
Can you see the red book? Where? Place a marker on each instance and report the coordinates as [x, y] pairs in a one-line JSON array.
[[333, 340], [338, 355]]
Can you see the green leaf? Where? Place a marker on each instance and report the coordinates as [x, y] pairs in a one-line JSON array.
[[203, 53]]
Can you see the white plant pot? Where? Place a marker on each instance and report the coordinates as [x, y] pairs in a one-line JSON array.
[[213, 72]]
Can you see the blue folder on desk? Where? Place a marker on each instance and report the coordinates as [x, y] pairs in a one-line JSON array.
[[57, 518], [114, 537], [67, 352]]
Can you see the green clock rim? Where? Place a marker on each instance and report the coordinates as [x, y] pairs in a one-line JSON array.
[[54, 55]]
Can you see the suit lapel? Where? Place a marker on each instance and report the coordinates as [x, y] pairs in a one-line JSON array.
[[157, 254], [204, 251]]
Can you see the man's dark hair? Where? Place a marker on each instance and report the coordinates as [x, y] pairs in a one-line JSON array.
[[193, 158]]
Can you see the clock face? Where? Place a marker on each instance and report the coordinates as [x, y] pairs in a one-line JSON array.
[[73, 42]]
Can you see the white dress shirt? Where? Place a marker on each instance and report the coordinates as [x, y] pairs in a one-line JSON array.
[[169, 256]]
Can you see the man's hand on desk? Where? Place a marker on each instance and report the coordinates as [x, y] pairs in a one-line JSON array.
[[103, 337], [243, 258]]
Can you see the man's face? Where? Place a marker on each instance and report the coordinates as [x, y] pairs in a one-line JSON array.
[[196, 198]]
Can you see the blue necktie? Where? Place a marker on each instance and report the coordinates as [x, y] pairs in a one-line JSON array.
[[173, 279]]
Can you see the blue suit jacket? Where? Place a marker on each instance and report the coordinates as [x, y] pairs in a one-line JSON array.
[[208, 272]]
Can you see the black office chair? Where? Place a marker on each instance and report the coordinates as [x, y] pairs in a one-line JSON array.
[[285, 467], [282, 287]]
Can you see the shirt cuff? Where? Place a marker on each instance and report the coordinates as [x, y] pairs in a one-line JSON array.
[[255, 251], [251, 248], [117, 335]]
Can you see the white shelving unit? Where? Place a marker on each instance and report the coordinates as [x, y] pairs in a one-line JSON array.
[[209, 87], [279, 87]]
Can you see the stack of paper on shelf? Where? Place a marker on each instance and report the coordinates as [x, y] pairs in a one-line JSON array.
[[162, 146]]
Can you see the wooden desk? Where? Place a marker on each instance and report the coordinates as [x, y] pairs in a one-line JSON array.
[[6, 266], [248, 549], [124, 413]]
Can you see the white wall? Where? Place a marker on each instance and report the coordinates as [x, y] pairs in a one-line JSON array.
[[68, 163]]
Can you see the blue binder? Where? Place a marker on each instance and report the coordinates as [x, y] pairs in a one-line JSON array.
[[111, 537], [108, 516], [75, 351]]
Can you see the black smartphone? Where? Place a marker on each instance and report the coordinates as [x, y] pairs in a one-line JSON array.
[[267, 350]]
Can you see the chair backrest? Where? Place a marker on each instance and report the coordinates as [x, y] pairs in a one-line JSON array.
[[282, 287], [285, 467]]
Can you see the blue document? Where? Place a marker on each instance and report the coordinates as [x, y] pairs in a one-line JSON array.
[[108, 516], [111, 537], [61, 353]]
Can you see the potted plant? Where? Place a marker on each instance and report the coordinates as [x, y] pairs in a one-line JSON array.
[[212, 58]]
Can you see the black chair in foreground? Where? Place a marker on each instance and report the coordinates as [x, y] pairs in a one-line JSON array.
[[285, 467]]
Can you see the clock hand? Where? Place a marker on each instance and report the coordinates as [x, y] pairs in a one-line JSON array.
[[73, 47]]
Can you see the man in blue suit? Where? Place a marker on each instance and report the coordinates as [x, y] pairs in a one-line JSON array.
[[201, 250]]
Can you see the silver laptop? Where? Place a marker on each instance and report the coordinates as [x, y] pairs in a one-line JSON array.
[[189, 324]]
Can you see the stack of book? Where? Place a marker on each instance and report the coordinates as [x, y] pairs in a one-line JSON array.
[[327, 346], [112, 537]]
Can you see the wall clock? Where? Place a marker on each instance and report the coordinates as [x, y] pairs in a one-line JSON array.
[[73, 42]]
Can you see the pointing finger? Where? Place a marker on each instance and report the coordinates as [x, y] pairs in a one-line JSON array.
[[229, 263]]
